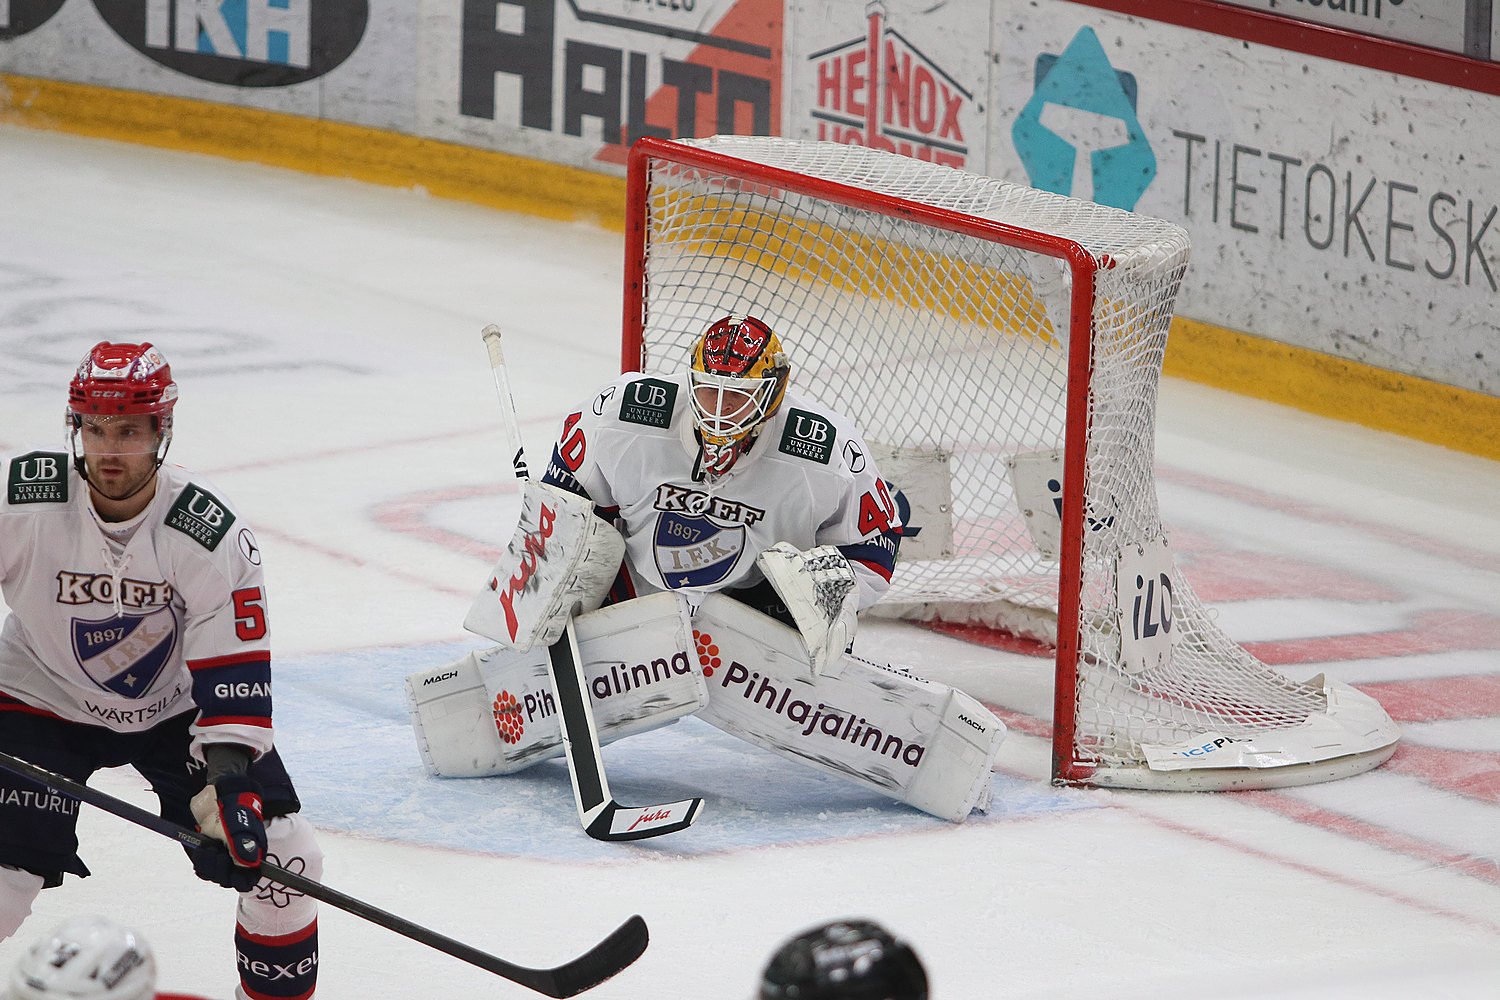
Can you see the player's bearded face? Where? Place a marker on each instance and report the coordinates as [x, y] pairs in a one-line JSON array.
[[120, 452]]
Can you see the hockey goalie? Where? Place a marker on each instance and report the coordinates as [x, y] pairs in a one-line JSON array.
[[712, 536]]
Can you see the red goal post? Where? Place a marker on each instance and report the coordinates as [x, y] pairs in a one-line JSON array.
[[1001, 349]]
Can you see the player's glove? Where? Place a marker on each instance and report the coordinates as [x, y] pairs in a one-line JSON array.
[[234, 845]]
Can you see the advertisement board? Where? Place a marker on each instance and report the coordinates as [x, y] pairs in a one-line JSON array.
[[1331, 207], [1334, 206], [1439, 24], [577, 81], [896, 75]]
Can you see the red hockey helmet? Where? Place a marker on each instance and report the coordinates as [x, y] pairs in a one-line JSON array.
[[114, 379], [738, 376]]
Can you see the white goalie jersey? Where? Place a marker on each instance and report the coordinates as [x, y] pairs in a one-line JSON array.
[[127, 632], [808, 480]]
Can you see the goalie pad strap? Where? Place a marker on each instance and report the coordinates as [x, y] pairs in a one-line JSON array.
[[561, 557]]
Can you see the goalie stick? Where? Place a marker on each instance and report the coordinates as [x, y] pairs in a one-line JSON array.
[[602, 817], [604, 960]]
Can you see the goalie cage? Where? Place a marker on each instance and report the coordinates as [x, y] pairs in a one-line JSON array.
[[1001, 348]]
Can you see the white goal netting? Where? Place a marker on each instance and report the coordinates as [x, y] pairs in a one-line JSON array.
[[947, 339]]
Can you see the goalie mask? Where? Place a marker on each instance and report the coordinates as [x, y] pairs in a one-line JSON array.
[[738, 377], [86, 958], [844, 960], [119, 387]]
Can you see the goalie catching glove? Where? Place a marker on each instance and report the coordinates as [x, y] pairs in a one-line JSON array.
[[822, 595], [228, 812]]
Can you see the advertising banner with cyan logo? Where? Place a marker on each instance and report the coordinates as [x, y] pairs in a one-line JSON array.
[[1356, 227]]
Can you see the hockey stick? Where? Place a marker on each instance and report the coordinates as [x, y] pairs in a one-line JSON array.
[[602, 817], [605, 959]]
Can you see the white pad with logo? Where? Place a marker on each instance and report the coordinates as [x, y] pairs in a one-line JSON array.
[[820, 591], [918, 741], [561, 557], [494, 712]]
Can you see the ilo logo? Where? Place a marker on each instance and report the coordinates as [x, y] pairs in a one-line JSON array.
[[1079, 135], [1151, 611]]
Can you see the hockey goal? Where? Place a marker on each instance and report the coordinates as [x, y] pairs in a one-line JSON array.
[[1001, 349]]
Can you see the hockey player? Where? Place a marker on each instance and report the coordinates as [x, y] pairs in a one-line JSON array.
[[138, 634], [88, 958], [844, 960], [764, 513]]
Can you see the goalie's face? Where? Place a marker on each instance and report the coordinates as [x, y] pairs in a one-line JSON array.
[[738, 378]]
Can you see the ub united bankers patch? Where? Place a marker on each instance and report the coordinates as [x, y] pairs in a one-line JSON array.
[[199, 515], [648, 401], [39, 477], [808, 436]]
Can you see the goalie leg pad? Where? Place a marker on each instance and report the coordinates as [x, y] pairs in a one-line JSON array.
[[918, 741], [494, 711]]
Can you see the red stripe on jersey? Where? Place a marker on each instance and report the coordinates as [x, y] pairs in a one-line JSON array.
[[878, 568], [233, 659], [9, 704], [260, 721]]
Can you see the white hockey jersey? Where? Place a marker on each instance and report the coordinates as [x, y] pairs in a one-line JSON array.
[[127, 637], [808, 480]]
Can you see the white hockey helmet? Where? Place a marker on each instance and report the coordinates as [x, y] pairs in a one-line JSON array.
[[86, 958]]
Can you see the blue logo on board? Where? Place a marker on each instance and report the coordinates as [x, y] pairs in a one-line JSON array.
[[1079, 135]]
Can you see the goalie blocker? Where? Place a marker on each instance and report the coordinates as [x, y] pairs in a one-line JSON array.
[[920, 742]]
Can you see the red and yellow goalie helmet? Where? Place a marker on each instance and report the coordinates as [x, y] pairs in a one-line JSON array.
[[738, 377]]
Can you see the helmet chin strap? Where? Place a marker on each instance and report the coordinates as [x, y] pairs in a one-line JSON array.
[[79, 464]]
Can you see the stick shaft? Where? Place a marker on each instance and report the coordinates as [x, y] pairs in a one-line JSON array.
[[510, 422], [542, 980]]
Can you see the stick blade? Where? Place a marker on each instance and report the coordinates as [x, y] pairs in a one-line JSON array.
[[613, 821], [605, 960]]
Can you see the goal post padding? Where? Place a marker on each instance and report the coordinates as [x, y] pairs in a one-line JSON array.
[[1001, 349]]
